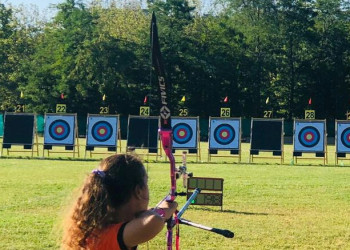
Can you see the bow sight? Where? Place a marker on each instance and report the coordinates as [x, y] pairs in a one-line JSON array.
[[182, 170]]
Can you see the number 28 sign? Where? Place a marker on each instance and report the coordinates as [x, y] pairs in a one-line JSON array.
[[310, 114]]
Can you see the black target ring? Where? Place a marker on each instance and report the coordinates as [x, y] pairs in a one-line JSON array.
[[182, 133], [345, 137], [59, 130], [224, 134], [102, 131], [309, 137]]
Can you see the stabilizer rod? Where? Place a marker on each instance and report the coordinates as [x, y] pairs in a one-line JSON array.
[[224, 232]]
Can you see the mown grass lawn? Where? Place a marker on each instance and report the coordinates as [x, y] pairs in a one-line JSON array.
[[267, 206]]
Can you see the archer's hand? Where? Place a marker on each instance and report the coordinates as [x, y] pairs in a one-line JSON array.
[[169, 208]]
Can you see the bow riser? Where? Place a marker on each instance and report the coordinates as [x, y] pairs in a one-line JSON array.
[[167, 139]]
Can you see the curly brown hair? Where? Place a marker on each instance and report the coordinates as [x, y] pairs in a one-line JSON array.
[[102, 192]]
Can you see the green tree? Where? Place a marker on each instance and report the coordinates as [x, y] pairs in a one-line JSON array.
[[7, 85], [330, 68]]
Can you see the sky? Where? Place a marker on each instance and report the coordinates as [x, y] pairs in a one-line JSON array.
[[42, 4], [46, 4]]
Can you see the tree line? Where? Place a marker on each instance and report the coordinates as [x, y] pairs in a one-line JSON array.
[[266, 54]]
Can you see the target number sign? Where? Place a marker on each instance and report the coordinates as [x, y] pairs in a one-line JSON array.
[[310, 114], [104, 110], [61, 108], [144, 111], [348, 115], [20, 108], [225, 112], [183, 112], [268, 114]]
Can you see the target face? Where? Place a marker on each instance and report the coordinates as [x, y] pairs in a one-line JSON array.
[[343, 137], [224, 133], [59, 129], [102, 130], [309, 136], [184, 133]]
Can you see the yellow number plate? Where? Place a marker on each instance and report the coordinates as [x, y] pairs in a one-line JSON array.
[[144, 111], [310, 114], [225, 112], [61, 108]]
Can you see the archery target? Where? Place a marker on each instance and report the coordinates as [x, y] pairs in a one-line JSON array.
[[266, 134], [184, 133], [343, 137], [102, 131], [143, 132], [224, 133], [309, 136], [59, 129], [19, 128]]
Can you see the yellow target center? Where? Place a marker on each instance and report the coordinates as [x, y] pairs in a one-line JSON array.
[[309, 137], [182, 133], [59, 130], [102, 131], [224, 134]]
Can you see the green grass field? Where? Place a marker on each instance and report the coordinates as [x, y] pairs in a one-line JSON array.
[[267, 205]]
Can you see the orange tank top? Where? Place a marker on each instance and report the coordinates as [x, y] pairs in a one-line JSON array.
[[110, 238]]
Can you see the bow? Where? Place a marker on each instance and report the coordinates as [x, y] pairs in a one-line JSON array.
[[165, 131], [166, 136]]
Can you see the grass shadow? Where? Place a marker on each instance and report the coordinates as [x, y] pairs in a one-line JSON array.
[[229, 211]]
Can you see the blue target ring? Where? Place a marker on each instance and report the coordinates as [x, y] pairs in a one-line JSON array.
[[309, 137], [102, 131], [59, 130], [345, 137], [224, 134], [182, 133]]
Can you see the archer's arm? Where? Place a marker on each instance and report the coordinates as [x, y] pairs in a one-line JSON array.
[[147, 225]]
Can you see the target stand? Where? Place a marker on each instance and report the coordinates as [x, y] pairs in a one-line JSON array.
[[310, 137], [102, 131], [186, 136], [20, 130], [224, 135], [266, 135], [61, 130], [143, 135], [342, 140]]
